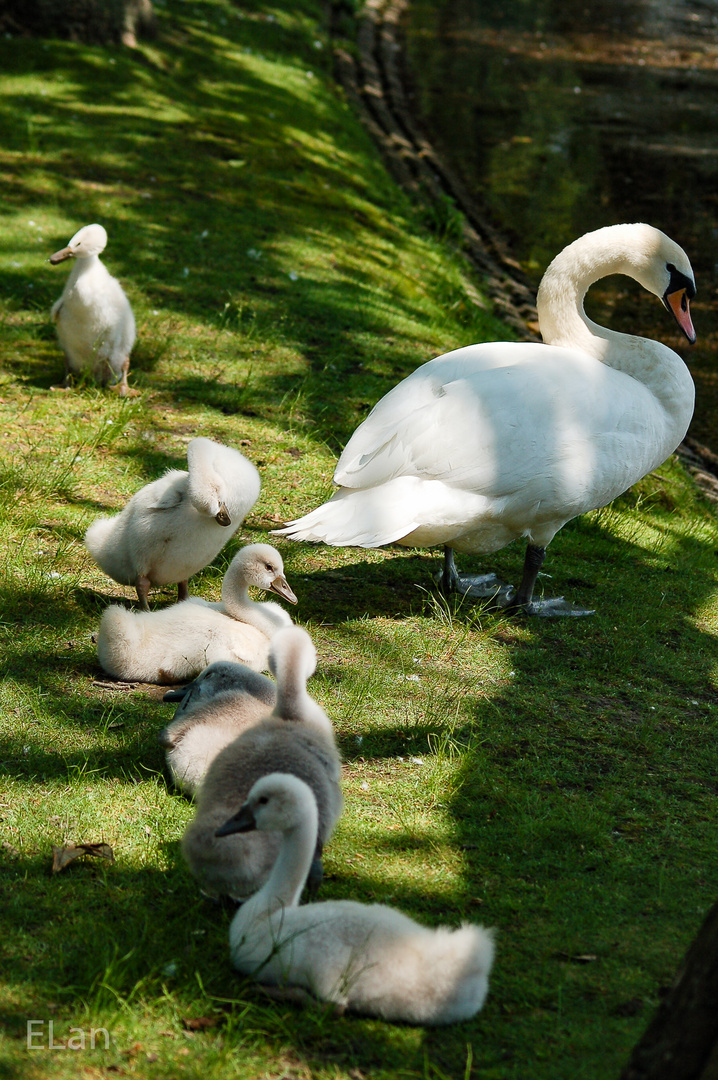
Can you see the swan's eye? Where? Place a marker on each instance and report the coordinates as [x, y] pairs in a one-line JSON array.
[[268, 566], [262, 800]]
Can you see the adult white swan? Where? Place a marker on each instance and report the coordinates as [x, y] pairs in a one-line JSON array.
[[513, 439]]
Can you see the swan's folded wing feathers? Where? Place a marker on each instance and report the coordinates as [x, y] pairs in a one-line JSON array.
[[454, 435], [482, 426], [167, 492], [377, 452]]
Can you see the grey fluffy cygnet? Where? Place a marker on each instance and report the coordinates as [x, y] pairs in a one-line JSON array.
[[177, 642], [213, 710], [297, 738], [366, 957], [175, 526]]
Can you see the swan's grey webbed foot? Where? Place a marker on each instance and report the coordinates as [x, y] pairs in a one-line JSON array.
[[522, 602], [483, 586], [503, 597], [553, 608]]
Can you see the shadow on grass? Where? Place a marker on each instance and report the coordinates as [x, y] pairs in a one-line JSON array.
[[213, 183], [100, 937]]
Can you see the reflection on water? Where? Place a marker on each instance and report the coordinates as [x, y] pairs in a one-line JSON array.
[[562, 117]]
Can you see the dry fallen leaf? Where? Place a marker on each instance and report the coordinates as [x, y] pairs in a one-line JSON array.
[[63, 856], [199, 1023], [577, 958]]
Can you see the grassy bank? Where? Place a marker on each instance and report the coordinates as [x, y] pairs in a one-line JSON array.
[[555, 780]]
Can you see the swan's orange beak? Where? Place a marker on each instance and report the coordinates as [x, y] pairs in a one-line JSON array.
[[677, 303]]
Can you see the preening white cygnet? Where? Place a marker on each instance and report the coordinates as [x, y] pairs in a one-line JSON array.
[[503, 440], [365, 957], [175, 526], [177, 642], [94, 320], [296, 738], [224, 700]]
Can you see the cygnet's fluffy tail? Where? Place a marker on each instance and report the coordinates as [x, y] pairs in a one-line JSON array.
[[97, 536], [455, 968], [119, 642], [473, 953]]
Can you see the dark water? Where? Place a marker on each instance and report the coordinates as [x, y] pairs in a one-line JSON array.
[[563, 117]]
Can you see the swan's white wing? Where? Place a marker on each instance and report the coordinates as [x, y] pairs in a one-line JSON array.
[[167, 492], [491, 419]]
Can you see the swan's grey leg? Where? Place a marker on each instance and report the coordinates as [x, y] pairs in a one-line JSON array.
[[523, 602], [532, 564], [182, 591], [143, 590], [484, 586]]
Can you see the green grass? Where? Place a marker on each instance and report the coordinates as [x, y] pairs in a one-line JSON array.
[[553, 779]]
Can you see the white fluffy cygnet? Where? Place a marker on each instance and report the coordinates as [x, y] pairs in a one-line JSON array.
[[94, 320], [369, 958], [177, 642], [175, 526]]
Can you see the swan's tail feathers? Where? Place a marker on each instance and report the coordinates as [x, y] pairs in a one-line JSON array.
[[460, 971], [119, 641], [355, 518], [97, 536]]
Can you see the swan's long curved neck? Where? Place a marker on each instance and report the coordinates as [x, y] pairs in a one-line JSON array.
[[239, 604], [284, 885], [562, 318], [620, 249], [293, 701]]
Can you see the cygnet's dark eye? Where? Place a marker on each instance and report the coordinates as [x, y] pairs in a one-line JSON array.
[[263, 800], [268, 566]]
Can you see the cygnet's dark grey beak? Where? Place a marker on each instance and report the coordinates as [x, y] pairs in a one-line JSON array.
[[179, 693], [280, 586], [243, 821], [222, 516], [60, 256]]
